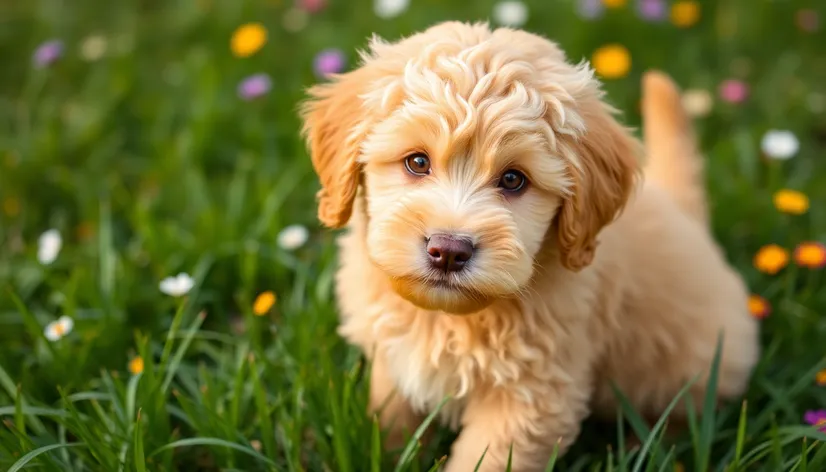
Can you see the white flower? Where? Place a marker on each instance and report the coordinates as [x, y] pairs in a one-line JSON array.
[[48, 246], [93, 48], [177, 286], [510, 13], [779, 144], [57, 329], [697, 102], [390, 8], [293, 237]]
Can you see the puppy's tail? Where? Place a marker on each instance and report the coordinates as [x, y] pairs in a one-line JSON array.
[[674, 161]]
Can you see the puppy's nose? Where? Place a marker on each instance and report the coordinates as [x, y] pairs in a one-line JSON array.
[[449, 253]]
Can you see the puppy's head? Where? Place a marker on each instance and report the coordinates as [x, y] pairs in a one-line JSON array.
[[475, 150]]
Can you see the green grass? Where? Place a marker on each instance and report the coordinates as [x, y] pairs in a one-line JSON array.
[[148, 164]]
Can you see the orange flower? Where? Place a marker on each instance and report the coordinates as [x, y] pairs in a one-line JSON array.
[[771, 258], [612, 61], [791, 201], [248, 39], [136, 365], [811, 255], [685, 13], [759, 307], [614, 3], [820, 378], [263, 303]]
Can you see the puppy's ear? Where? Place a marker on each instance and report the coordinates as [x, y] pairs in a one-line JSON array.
[[609, 166], [334, 126]]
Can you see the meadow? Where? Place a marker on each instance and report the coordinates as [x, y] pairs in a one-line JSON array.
[[166, 289]]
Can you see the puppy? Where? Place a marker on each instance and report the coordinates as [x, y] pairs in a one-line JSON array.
[[511, 245]]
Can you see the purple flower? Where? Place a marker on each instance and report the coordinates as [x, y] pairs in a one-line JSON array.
[[816, 418], [651, 10], [254, 86], [328, 61], [47, 53], [734, 91], [590, 9]]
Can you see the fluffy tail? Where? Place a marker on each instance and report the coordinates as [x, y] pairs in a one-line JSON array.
[[674, 161]]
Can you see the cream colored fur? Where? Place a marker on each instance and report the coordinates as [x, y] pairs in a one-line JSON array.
[[603, 270]]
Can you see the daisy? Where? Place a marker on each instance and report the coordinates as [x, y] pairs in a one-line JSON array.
[[48, 246], [759, 307], [816, 418], [254, 86], [263, 303], [47, 53], [791, 201], [511, 13], [779, 144], [770, 259], [177, 286], [56, 330], [390, 8], [248, 39], [811, 255], [293, 237], [612, 61]]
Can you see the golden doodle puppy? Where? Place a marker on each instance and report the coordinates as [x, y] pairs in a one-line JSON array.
[[510, 244]]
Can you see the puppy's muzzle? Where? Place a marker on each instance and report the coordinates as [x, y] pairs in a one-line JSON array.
[[448, 253]]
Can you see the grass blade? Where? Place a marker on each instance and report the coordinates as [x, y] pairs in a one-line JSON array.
[[33, 454], [140, 459], [188, 442], [413, 444]]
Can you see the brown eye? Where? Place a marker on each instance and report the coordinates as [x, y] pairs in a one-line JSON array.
[[417, 164], [512, 181]]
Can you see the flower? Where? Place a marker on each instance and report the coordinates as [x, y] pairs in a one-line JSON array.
[[136, 365], [697, 103], [328, 61], [47, 53], [734, 91], [177, 286], [771, 258], [791, 201], [820, 378], [810, 254], [248, 39], [685, 13], [55, 330], [390, 8], [779, 144], [590, 9], [93, 48], [816, 418], [256, 444], [510, 13], [312, 6], [293, 237], [294, 20], [614, 3], [651, 10], [759, 307], [48, 246], [807, 20], [612, 61], [254, 86], [263, 303]]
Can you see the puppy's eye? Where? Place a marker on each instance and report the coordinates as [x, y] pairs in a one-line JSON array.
[[512, 181], [417, 164]]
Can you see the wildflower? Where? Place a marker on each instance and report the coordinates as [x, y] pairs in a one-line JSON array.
[[771, 258], [779, 144], [612, 61], [312, 6], [734, 91], [136, 365], [254, 86], [759, 307], [293, 237], [651, 10], [820, 378], [816, 418], [590, 9], [327, 62], [177, 286], [263, 303], [685, 13], [807, 20], [810, 254], [48, 246], [614, 3], [294, 20], [256, 444], [55, 330], [248, 39], [791, 201], [47, 53], [93, 48], [11, 206], [697, 103], [390, 8], [510, 13]]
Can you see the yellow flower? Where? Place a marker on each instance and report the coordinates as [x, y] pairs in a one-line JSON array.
[[614, 3], [248, 39], [11, 206], [136, 365], [759, 307], [263, 303], [791, 201], [820, 378], [811, 255], [771, 258], [612, 61], [685, 13]]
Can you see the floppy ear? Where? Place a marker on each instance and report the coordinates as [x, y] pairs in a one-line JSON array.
[[334, 127], [608, 169]]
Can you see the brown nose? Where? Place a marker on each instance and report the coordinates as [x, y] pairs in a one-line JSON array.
[[449, 253]]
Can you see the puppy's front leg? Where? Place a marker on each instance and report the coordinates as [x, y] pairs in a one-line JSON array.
[[396, 416], [533, 427]]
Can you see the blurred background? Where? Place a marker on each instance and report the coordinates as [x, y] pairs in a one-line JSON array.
[[157, 217]]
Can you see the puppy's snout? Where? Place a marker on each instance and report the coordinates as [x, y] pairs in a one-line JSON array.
[[449, 253]]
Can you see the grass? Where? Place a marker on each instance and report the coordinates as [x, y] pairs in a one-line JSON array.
[[149, 164]]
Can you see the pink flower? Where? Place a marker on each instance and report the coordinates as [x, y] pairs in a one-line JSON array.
[[47, 53], [311, 6], [734, 91], [816, 418]]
